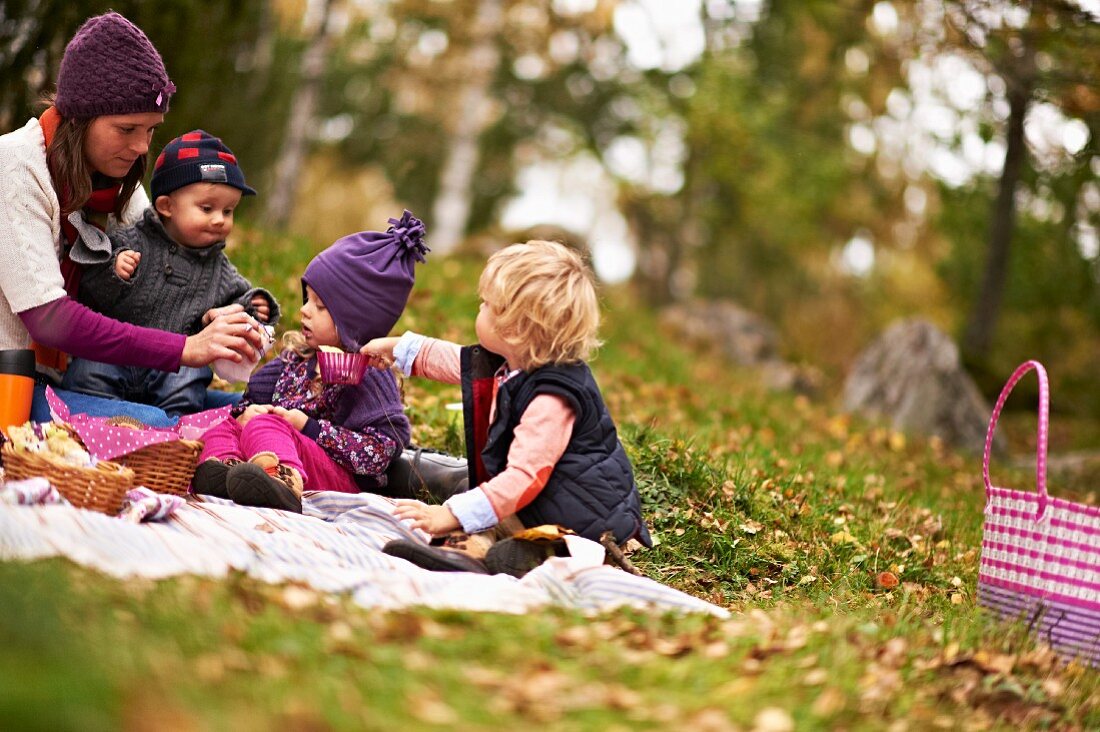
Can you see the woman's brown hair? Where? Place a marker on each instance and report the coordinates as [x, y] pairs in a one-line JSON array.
[[72, 177]]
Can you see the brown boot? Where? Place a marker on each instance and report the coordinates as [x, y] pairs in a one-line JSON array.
[[265, 482], [434, 558], [516, 557], [209, 477]]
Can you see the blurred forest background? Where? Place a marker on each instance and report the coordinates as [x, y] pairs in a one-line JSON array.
[[831, 165]]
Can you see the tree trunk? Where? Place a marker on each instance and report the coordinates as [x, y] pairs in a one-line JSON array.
[[652, 270], [451, 209], [303, 105], [983, 318]]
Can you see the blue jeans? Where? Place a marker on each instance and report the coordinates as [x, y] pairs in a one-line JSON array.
[[101, 407], [176, 393]]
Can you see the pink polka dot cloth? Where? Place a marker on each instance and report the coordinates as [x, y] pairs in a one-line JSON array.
[[106, 441]]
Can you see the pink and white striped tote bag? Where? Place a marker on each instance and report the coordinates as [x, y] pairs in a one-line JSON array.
[[1041, 555]]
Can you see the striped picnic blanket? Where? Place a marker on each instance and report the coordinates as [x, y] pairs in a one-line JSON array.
[[334, 546]]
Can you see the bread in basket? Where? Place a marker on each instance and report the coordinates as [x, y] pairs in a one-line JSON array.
[[52, 452]]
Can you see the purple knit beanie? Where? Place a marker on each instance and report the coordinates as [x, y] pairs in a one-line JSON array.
[[110, 67], [365, 279]]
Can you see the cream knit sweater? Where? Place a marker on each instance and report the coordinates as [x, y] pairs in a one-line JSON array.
[[30, 231]]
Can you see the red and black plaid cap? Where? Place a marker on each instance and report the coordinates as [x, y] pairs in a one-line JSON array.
[[196, 157]]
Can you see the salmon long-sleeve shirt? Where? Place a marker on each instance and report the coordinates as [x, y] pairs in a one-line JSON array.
[[543, 433]]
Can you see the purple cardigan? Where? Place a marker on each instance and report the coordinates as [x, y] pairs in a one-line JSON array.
[[361, 427]]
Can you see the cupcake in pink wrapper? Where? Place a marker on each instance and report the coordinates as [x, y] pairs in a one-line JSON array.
[[340, 367]]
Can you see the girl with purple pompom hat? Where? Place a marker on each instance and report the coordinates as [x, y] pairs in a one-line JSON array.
[[293, 432]]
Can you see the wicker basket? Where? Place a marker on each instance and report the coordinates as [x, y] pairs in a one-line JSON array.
[[166, 467], [100, 488]]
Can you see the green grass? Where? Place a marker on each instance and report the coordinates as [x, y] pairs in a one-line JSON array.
[[774, 506]]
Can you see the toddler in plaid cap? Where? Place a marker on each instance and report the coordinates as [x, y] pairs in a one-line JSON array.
[[170, 271]]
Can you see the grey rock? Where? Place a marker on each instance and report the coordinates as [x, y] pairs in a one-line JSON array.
[[912, 376], [743, 338]]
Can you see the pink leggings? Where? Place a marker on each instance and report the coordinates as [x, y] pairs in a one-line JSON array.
[[272, 433]]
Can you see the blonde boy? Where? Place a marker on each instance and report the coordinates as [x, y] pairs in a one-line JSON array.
[[541, 445]]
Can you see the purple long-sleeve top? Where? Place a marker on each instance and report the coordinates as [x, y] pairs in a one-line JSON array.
[[68, 326], [361, 427]]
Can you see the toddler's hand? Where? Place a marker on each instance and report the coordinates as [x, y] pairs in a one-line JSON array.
[[260, 307], [379, 352], [126, 263], [296, 418], [253, 410], [435, 520]]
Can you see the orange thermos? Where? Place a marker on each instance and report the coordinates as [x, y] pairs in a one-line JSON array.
[[16, 386]]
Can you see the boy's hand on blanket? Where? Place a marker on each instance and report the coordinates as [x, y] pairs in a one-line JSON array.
[[126, 263], [435, 520], [296, 418], [379, 352]]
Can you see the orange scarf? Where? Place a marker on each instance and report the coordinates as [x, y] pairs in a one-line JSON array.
[[96, 209]]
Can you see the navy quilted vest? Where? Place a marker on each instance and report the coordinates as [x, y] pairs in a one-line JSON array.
[[591, 489]]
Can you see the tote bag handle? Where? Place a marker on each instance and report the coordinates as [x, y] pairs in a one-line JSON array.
[[1040, 442]]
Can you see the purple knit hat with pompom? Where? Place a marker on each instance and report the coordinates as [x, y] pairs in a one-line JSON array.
[[365, 279], [110, 67]]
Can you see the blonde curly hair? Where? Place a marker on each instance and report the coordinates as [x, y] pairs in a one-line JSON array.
[[543, 298]]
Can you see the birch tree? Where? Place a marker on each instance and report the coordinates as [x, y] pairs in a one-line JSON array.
[[451, 209], [303, 108]]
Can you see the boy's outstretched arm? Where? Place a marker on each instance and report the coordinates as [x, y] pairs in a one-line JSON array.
[[417, 355], [379, 352]]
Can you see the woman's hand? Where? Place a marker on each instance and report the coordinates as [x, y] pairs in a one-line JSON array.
[[233, 336], [435, 520], [213, 313], [379, 352], [253, 410], [296, 418]]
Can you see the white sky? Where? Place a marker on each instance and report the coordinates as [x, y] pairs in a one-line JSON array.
[[659, 33], [578, 194]]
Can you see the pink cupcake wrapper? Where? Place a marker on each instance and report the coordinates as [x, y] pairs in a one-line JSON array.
[[341, 368]]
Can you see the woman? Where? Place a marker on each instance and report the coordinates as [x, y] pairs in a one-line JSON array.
[[70, 175]]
